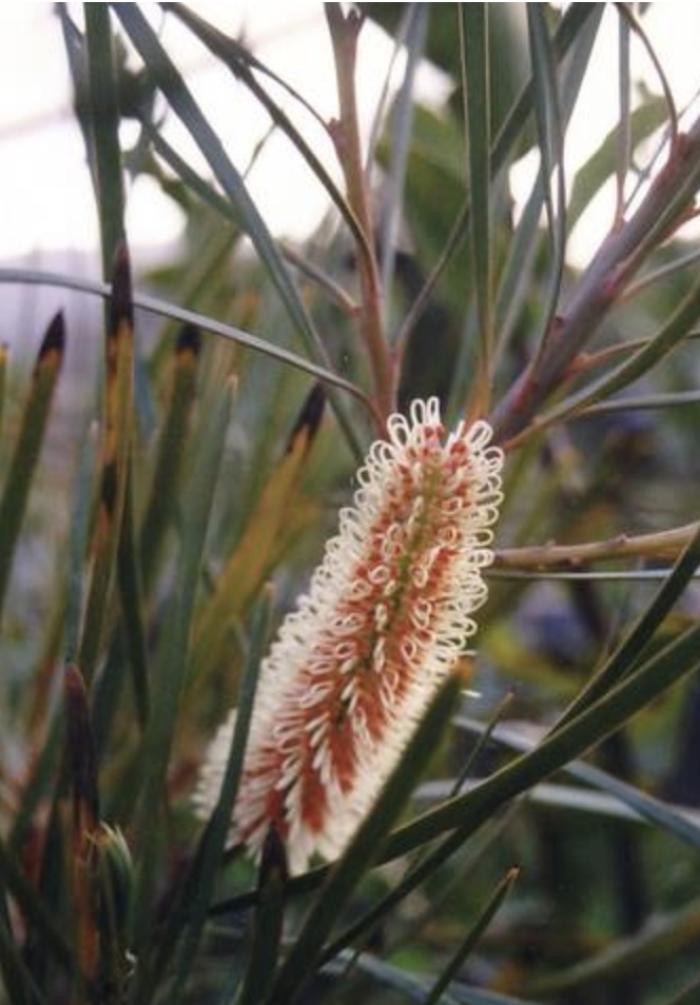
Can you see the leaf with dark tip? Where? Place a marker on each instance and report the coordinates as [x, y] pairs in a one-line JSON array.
[[25, 456]]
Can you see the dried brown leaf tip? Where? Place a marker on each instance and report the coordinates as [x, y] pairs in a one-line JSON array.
[[189, 341], [121, 312], [309, 418], [53, 344]]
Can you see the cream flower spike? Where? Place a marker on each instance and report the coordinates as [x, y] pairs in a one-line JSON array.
[[386, 618]]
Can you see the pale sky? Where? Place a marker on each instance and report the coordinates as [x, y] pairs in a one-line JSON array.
[[47, 200]]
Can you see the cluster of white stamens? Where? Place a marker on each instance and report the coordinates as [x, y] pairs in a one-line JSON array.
[[386, 618]]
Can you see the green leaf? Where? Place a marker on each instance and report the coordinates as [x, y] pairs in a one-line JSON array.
[[473, 34], [551, 146], [633, 645], [644, 402], [104, 152], [415, 988], [602, 165], [624, 130], [401, 127], [268, 924], [363, 850], [80, 525], [647, 807], [688, 995], [170, 82], [171, 663], [663, 938], [132, 605], [678, 659], [36, 914], [115, 453], [573, 21], [157, 306], [39, 783], [515, 284], [200, 882], [474, 934], [412, 988], [465, 814], [248, 565], [24, 459], [171, 452]]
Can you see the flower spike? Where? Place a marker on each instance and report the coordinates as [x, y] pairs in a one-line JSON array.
[[385, 619]]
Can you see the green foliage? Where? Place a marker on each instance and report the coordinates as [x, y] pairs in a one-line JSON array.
[[206, 476]]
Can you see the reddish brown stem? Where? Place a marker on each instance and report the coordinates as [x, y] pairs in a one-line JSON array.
[[344, 30], [661, 212]]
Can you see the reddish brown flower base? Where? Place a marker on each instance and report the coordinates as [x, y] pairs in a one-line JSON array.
[[386, 618]]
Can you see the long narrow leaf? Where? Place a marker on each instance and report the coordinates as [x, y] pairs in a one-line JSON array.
[[132, 605], [517, 272], [268, 924], [401, 124], [645, 806], [671, 333], [465, 814], [676, 661], [157, 306], [662, 939], [200, 881], [34, 910], [29, 441], [170, 456], [233, 56], [549, 128], [474, 50], [573, 22], [248, 565], [641, 633], [362, 851], [115, 450], [169, 671], [171, 83], [411, 987], [644, 402], [472, 937], [104, 151]]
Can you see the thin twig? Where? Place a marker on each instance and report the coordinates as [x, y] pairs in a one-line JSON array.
[[642, 402], [603, 575], [666, 544], [662, 210], [587, 361], [335, 291], [661, 273]]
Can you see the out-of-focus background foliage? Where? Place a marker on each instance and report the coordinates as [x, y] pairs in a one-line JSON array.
[[230, 469]]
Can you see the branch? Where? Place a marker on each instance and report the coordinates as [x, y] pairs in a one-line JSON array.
[[666, 544], [662, 211]]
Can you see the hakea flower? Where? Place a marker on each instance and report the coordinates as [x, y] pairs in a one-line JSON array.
[[384, 621]]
